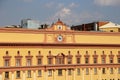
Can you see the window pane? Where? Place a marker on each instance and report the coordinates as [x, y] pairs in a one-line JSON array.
[[69, 72], [29, 74], [103, 71], [17, 74], [87, 71], [39, 73], [78, 71], [60, 72], [95, 70], [17, 62], [49, 72], [7, 75], [39, 61], [6, 63], [78, 60]]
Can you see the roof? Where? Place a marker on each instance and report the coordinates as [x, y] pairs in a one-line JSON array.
[[110, 25]]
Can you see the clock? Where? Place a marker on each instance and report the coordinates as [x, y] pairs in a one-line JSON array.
[[60, 38]]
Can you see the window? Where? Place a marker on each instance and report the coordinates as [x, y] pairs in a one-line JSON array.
[[69, 71], [6, 62], [103, 60], [39, 61], [86, 60], [59, 72], [118, 70], [29, 73], [28, 62], [49, 72], [111, 60], [118, 60], [78, 71], [49, 60], [39, 73], [95, 70], [87, 71], [95, 60], [17, 62], [6, 75], [69, 60], [103, 71], [17, 74], [78, 60], [111, 70], [60, 60]]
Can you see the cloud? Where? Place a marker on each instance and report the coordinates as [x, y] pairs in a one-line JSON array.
[[72, 5], [107, 2], [63, 13]]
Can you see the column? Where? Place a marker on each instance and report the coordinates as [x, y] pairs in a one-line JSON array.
[[12, 75], [45, 75], [54, 74], [66, 76], [91, 73], [74, 74], [99, 73], [83, 74], [23, 76], [34, 78], [116, 73], [0, 75]]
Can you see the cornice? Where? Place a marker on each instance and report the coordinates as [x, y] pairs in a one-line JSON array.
[[46, 31]]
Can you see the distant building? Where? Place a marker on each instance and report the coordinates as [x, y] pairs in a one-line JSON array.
[[29, 23], [94, 26], [110, 27]]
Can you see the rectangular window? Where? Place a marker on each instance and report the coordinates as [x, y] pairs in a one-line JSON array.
[[87, 71], [29, 73], [6, 63], [59, 72], [78, 60], [103, 71], [118, 60], [69, 71], [78, 71], [118, 70], [6, 75], [49, 60], [95, 60], [60, 60], [69, 60], [28, 62], [103, 60], [49, 72], [17, 74], [95, 70], [111, 60], [86, 60], [111, 70], [39, 61], [17, 62], [39, 73]]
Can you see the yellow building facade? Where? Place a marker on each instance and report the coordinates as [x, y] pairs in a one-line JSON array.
[[58, 53]]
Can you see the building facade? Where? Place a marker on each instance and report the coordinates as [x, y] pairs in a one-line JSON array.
[[58, 53], [29, 23]]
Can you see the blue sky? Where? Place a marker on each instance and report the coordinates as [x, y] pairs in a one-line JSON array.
[[72, 12]]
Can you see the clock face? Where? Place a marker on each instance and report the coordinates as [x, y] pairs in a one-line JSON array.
[[59, 38]]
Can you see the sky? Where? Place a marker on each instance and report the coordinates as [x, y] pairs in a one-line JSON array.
[[71, 12]]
